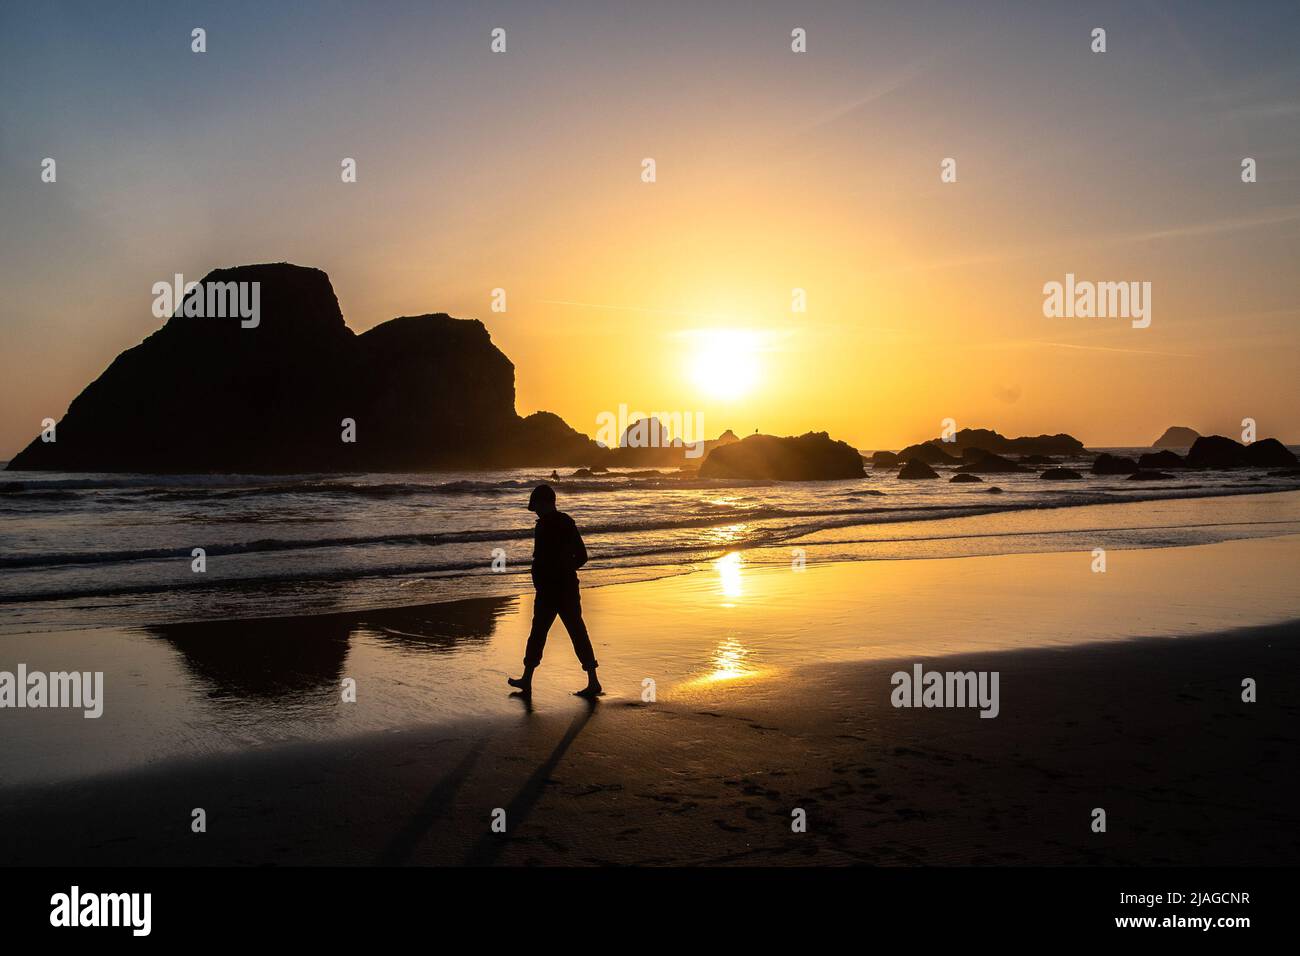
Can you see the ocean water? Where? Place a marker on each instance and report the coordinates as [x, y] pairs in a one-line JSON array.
[[93, 550], [208, 689]]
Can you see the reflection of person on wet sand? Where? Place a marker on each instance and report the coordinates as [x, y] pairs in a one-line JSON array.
[[558, 552]]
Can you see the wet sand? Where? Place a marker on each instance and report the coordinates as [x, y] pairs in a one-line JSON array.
[[214, 688], [1154, 731]]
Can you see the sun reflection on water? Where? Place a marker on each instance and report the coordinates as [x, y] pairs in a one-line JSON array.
[[726, 534], [729, 575], [729, 661]]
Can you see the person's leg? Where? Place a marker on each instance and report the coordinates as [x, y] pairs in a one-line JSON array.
[[570, 610], [545, 608]]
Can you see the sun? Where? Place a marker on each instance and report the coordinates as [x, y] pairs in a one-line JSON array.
[[724, 362]]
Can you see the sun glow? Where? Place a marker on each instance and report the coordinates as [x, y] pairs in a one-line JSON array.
[[724, 362]]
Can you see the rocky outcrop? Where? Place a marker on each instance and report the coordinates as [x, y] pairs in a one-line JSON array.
[[811, 457], [1107, 464], [915, 468], [645, 433], [207, 394], [964, 477], [929, 452], [1061, 474], [1269, 453], [544, 438], [726, 438], [649, 442], [986, 439], [884, 459], [1176, 436], [987, 463], [969, 441], [1215, 451], [1161, 459]]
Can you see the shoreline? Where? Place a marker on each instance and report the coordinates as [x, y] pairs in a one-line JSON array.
[[884, 538], [1151, 729], [220, 686]]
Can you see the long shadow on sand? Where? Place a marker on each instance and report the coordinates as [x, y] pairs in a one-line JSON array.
[[434, 808], [489, 846]]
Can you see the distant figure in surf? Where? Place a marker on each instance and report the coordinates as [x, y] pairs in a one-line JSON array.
[[558, 552]]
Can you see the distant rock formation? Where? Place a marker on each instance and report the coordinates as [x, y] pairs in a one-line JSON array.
[[964, 477], [915, 468], [986, 463], [985, 439], [1061, 474], [1176, 436], [1215, 451], [1107, 464], [1161, 459], [645, 433], [811, 457], [205, 394], [932, 453], [884, 459], [651, 445], [726, 438], [969, 443], [544, 438]]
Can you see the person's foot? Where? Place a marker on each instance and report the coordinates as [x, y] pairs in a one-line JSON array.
[[592, 690], [525, 686]]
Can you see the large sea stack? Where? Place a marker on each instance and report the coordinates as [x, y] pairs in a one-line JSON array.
[[1176, 436], [207, 394], [811, 457]]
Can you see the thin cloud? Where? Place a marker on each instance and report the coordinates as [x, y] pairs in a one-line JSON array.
[[878, 92], [1106, 348], [1044, 250], [1289, 214], [1032, 343]]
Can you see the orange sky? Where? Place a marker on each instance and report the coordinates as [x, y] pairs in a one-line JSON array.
[[775, 171]]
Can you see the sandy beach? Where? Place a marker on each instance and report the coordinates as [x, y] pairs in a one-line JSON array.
[[1153, 731], [1119, 691]]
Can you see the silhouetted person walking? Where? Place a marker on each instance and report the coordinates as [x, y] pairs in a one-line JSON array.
[[558, 552]]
